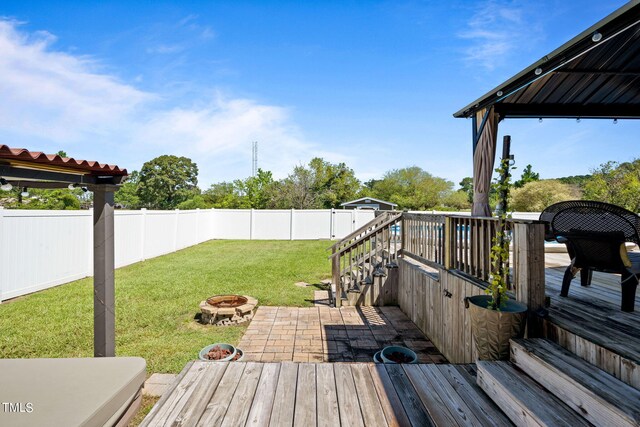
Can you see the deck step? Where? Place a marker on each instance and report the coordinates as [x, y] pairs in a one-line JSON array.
[[597, 396], [523, 400]]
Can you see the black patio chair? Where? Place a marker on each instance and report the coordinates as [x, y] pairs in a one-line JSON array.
[[595, 234]]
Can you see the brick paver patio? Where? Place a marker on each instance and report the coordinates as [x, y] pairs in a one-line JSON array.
[[324, 334]]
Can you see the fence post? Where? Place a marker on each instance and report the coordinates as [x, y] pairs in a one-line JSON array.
[[291, 224], [251, 225], [143, 227], [213, 224], [332, 224], [175, 231], [197, 236], [529, 278]]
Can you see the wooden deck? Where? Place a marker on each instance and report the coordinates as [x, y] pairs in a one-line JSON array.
[[325, 394], [589, 321]]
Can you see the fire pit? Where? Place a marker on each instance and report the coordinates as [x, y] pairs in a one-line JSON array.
[[222, 310]]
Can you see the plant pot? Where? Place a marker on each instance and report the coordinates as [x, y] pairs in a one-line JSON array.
[[240, 355], [225, 346], [377, 358], [387, 352], [492, 329]]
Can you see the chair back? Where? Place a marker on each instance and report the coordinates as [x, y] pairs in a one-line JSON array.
[[590, 217]]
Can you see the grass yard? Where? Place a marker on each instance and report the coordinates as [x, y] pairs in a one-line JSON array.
[[157, 300]]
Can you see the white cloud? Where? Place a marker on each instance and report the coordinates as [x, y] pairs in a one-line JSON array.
[[495, 31], [67, 101], [55, 95]]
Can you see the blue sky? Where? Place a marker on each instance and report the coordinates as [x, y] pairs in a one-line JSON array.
[[371, 84]]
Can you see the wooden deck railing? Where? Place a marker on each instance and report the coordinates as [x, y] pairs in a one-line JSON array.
[[469, 241], [423, 237], [462, 243], [365, 254], [458, 244]]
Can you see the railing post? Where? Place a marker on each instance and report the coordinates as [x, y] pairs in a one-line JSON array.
[[529, 278], [449, 247], [335, 270]]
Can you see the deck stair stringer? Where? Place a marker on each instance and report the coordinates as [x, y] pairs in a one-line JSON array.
[[594, 394]]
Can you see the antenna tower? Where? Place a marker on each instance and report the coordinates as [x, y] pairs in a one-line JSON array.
[[254, 160]]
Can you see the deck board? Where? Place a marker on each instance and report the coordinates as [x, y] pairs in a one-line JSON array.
[[308, 394], [216, 410], [327, 401], [284, 403], [592, 313], [243, 397], [260, 412], [305, 411]]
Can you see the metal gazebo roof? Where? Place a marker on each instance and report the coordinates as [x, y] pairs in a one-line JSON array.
[[594, 75], [51, 170], [32, 169]]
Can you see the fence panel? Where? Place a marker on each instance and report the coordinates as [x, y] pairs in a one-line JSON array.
[[129, 237], [232, 224], [271, 225], [31, 257], [312, 224], [187, 229], [41, 249]]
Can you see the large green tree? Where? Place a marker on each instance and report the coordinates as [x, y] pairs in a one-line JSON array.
[[537, 195], [320, 185], [412, 188], [295, 191], [255, 191], [223, 195], [528, 175], [127, 194], [616, 183], [167, 181]]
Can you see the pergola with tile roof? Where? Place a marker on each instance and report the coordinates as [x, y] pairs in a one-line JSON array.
[[23, 168], [594, 75]]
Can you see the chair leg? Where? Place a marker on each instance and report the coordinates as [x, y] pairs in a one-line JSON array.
[[566, 280], [629, 284], [585, 276]]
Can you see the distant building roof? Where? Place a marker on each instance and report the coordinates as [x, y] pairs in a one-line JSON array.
[[363, 201]]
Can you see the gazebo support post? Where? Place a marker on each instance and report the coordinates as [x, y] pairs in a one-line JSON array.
[[104, 344], [485, 134]]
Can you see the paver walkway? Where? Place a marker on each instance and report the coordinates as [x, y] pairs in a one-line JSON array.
[[324, 334]]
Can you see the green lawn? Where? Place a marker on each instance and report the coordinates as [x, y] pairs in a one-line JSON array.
[[157, 300]]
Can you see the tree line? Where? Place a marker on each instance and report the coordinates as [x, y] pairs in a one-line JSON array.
[[171, 182]]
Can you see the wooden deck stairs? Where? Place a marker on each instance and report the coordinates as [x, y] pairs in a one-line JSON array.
[[362, 261], [546, 385]]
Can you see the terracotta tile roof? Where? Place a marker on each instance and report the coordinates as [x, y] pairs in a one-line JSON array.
[[26, 157]]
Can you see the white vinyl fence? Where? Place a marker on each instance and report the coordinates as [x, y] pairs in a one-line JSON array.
[[41, 249]]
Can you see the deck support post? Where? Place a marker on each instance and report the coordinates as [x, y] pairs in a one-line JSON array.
[[103, 272], [529, 280]]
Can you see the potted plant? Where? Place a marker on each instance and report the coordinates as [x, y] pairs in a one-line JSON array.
[[218, 352], [495, 319]]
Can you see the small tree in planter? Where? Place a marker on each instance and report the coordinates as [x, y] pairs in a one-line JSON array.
[[494, 318], [499, 280]]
